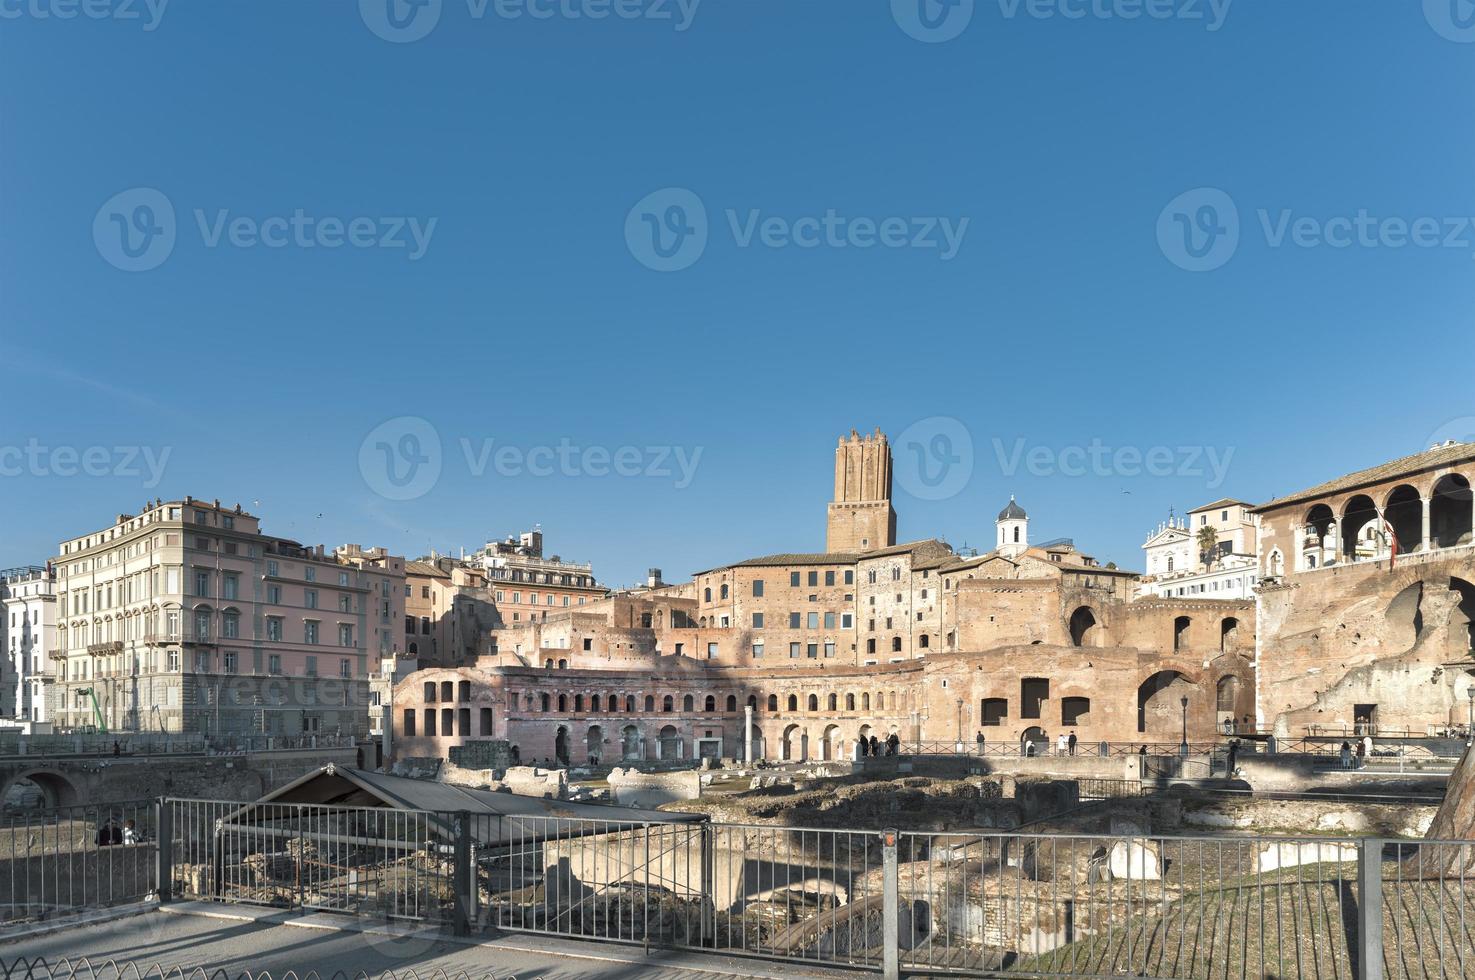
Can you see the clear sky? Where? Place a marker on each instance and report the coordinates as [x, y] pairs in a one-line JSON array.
[[636, 273]]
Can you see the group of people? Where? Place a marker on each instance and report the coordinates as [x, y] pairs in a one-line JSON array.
[[111, 833], [873, 747], [1363, 749], [1065, 744]]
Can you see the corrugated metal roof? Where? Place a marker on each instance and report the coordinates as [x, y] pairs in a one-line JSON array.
[[515, 817]]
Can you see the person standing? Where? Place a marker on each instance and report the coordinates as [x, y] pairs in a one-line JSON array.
[[1233, 757], [1346, 755], [1071, 743], [875, 746], [979, 742], [1061, 743]]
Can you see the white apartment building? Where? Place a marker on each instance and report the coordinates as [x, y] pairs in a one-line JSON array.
[[1175, 562], [28, 610], [185, 617]]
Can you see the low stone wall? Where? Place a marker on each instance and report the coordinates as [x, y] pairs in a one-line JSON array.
[[630, 787]]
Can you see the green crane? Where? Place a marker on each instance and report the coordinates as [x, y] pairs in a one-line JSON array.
[[102, 726]]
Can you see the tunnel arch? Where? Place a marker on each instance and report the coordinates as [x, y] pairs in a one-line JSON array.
[[1084, 627], [57, 789]]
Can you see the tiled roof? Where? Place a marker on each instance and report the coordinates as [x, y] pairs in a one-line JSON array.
[[424, 568], [1220, 504], [926, 549], [1407, 466]]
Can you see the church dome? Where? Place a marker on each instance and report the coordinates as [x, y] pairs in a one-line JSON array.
[[1013, 512]]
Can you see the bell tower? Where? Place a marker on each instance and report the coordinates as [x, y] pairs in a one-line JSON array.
[[861, 517]]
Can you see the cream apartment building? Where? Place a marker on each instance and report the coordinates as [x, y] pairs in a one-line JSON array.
[[185, 617]]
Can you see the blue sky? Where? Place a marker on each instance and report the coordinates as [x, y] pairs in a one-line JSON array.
[[1087, 317]]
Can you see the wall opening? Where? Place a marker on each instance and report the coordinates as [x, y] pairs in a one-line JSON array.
[[1450, 513], [1180, 632], [993, 711], [1033, 693], [1075, 711], [1083, 627]]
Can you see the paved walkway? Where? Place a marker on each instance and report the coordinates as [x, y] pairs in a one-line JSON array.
[[239, 939]]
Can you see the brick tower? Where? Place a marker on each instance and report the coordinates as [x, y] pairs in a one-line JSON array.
[[861, 516]]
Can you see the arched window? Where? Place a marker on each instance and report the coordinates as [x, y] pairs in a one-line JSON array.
[[687, 704], [732, 703], [924, 641], [707, 595], [834, 702], [594, 703], [563, 702], [814, 702], [630, 704], [543, 702], [650, 703], [865, 701], [710, 704], [578, 704], [724, 591], [773, 702], [896, 644], [850, 702], [668, 704], [793, 702]]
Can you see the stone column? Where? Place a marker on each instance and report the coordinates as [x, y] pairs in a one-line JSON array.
[[1427, 542], [748, 734], [1335, 530]]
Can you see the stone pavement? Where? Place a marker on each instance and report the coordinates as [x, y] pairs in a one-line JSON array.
[[238, 939]]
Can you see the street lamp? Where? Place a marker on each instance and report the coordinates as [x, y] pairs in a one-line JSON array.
[[1183, 748]]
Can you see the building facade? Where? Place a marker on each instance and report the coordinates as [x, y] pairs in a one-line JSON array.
[[797, 655], [186, 617], [28, 610], [1368, 599], [1178, 566]]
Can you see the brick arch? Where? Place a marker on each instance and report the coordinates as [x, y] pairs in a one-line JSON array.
[[58, 788]]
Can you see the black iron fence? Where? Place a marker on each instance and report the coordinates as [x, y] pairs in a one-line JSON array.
[[1130, 903]]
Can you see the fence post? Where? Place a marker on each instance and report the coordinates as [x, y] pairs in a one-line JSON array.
[[164, 858], [890, 910], [1370, 909], [463, 879], [709, 895]]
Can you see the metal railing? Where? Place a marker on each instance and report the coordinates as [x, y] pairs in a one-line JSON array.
[[384, 863], [61, 861], [1000, 903], [101, 743], [82, 968]]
